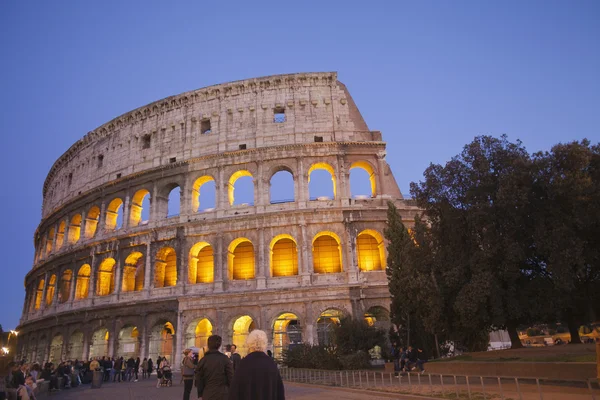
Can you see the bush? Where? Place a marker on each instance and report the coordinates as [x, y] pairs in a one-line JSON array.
[[353, 335], [309, 356], [358, 360]]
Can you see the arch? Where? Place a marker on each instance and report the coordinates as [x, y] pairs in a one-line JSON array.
[[66, 281], [284, 256], [368, 168], [39, 293], [60, 235], [198, 200], [174, 202], [49, 241], [325, 167], [327, 319], [165, 268], [129, 344], [91, 222], [371, 251], [242, 326], [133, 272], [378, 316], [327, 253], [56, 346], [82, 285], [114, 217], [50, 289], [231, 185], [161, 341], [75, 229], [75, 346], [137, 207], [198, 332], [105, 279], [240, 259], [41, 352], [99, 343], [201, 263], [281, 186], [286, 331]]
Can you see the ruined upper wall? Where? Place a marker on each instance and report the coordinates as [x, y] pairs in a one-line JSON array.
[[239, 113]]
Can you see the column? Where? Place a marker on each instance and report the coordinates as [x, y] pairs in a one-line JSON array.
[[43, 302], [178, 341], [259, 188], [221, 191], [111, 338], [126, 211], [101, 218], [305, 247], [262, 269], [218, 284], [86, 347], [73, 286], [349, 252], [302, 181], [148, 268], [143, 338], [82, 232], [154, 204], [118, 272], [92, 284], [381, 164], [342, 187]]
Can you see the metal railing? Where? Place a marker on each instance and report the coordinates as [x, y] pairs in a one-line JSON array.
[[449, 386]]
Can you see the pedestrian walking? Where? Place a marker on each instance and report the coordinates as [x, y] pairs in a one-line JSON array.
[[214, 372], [187, 373], [257, 376]]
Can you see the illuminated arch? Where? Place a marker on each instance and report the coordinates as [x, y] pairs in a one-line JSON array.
[[112, 214], [325, 323], [284, 256], [371, 250], [105, 280], [328, 168], [242, 326], [39, 294], [129, 345], [75, 229], [82, 285], [50, 289], [368, 168], [135, 213], [60, 235], [49, 241], [231, 184], [161, 341], [377, 316], [198, 332], [196, 188], [201, 263], [99, 343], [284, 181], [286, 331], [66, 281], [133, 272], [240, 259], [91, 222], [165, 268], [327, 253]]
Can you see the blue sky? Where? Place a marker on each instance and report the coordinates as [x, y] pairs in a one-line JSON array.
[[430, 75]]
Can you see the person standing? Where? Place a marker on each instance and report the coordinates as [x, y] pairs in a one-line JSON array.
[[235, 357], [187, 372], [214, 372], [136, 368], [150, 367], [257, 376], [145, 368]]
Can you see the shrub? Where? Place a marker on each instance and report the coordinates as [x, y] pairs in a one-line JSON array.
[[358, 360], [309, 356]]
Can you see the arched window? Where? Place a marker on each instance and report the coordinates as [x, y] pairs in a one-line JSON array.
[[65, 286], [282, 187], [371, 251], [241, 328], [60, 235], [114, 215], [197, 334], [161, 341], [91, 222], [133, 272], [49, 241], [327, 253], [138, 210], [378, 316], [99, 343], [240, 259], [105, 281], [201, 267], [284, 256], [362, 180], [174, 202], [241, 188], [203, 194], [128, 342], [321, 182], [325, 324], [83, 282], [75, 229], [50, 290], [286, 331], [165, 270], [39, 294]]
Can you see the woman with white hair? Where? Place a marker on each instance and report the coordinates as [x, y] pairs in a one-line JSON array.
[[257, 376]]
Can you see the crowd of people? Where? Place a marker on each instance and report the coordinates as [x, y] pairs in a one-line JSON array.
[[408, 359]]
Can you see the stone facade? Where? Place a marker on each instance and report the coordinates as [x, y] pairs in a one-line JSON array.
[[104, 282]]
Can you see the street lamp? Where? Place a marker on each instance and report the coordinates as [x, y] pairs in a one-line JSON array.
[[5, 350]]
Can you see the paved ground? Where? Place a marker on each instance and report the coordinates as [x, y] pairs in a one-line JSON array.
[[146, 390]]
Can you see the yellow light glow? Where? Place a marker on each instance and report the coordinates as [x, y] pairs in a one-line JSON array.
[[280, 333], [231, 185], [328, 168], [240, 259], [327, 253], [241, 327], [371, 251], [284, 256], [65, 286], [83, 282], [112, 213], [50, 290], [135, 213], [39, 294], [203, 331], [49, 241], [106, 277], [75, 229], [91, 222], [60, 236], [165, 268], [369, 170], [133, 272], [201, 263], [198, 183]]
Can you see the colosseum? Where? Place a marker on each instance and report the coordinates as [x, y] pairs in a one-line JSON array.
[[145, 248]]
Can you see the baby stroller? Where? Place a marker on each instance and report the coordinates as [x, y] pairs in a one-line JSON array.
[[166, 376]]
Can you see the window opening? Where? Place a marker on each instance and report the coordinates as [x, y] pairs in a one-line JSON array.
[[242, 147], [205, 126], [146, 141], [174, 202], [282, 187], [318, 139], [172, 159], [279, 115], [100, 161]]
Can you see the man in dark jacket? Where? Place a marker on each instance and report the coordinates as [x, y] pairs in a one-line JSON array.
[[214, 372], [257, 376], [235, 357]]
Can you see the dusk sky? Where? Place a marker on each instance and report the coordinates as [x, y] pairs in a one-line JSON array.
[[430, 75]]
